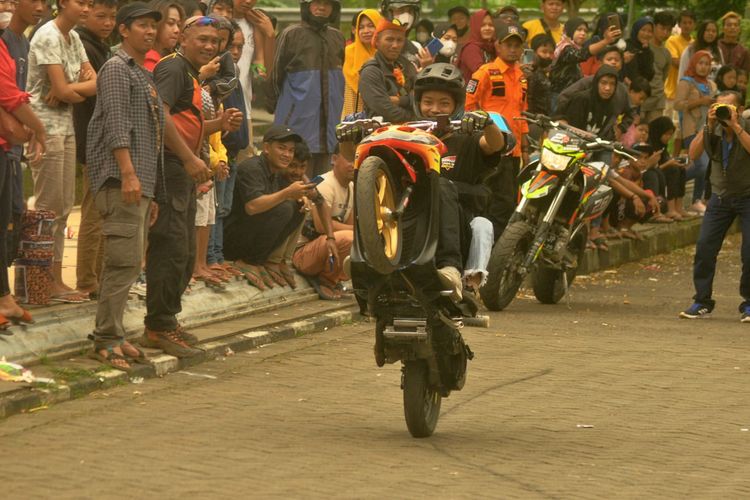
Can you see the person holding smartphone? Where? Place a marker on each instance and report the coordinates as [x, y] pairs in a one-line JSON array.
[[266, 210]]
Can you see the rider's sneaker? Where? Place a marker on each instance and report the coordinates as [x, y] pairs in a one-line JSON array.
[[697, 311], [745, 318], [450, 277]]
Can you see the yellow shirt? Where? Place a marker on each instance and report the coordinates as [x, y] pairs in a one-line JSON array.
[[676, 45], [534, 28]]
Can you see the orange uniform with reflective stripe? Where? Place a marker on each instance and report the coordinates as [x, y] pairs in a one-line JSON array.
[[501, 88]]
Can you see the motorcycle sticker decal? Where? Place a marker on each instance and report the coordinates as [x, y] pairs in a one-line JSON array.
[[447, 163]]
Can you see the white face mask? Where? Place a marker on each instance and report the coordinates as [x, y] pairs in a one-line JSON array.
[[5, 19], [405, 19], [449, 48]]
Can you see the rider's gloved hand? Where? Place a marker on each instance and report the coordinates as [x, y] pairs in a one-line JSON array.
[[355, 131], [475, 121]]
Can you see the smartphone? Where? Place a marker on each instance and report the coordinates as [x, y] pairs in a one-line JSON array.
[[528, 56], [317, 180], [434, 46], [613, 20]]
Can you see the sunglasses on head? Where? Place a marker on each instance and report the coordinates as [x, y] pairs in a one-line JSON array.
[[201, 21]]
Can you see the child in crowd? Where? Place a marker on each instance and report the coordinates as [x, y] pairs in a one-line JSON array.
[[672, 169], [742, 83], [233, 142]]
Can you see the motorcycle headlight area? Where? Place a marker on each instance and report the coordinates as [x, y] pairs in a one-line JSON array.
[[554, 161]]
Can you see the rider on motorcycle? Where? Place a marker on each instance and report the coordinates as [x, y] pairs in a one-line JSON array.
[[473, 153]]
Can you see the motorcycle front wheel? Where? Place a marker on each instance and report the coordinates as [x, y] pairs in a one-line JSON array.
[[548, 283], [376, 198], [421, 402], [504, 277]]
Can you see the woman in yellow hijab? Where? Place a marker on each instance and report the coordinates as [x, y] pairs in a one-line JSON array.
[[357, 53]]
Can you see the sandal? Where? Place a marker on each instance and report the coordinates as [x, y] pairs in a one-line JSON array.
[[288, 275], [139, 358], [113, 360], [267, 279], [71, 297], [601, 243], [209, 280], [661, 219], [631, 235], [252, 276], [590, 245], [325, 292], [276, 276]]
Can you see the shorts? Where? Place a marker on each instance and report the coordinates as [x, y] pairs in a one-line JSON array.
[[205, 214]]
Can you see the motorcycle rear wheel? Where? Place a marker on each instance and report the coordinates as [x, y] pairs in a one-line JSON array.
[[376, 195], [503, 278], [421, 402]]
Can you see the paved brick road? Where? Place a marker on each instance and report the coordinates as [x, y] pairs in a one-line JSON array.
[[313, 417]]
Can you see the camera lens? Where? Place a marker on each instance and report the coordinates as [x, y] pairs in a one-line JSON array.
[[723, 113]]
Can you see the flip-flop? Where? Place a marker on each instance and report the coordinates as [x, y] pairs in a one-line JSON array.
[[631, 235], [255, 280], [601, 243], [322, 294], [209, 281], [69, 298], [267, 279]]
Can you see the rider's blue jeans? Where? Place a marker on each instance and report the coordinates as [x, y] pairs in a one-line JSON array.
[[720, 214]]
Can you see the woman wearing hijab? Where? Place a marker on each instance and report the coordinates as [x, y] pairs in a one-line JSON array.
[[639, 59], [693, 98], [572, 51], [706, 38], [355, 55], [480, 49]]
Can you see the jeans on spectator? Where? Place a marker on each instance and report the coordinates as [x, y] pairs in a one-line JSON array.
[[90, 241], [55, 185], [311, 259], [697, 170], [171, 248], [264, 233], [6, 207], [123, 231], [720, 214], [482, 239], [224, 198]]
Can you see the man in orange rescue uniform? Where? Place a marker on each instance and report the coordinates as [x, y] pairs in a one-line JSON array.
[[501, 86]]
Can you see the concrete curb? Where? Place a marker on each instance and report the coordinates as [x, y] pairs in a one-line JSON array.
[[28, 399]]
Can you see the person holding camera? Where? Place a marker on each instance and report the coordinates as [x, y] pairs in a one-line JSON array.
[[726, 140]]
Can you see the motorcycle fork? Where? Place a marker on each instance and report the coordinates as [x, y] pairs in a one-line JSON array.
[[541, 233]]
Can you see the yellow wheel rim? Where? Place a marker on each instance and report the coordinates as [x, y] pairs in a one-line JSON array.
[[384, 205]]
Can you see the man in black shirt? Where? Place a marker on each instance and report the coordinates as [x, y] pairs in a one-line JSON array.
[[267, 209], [171, 249], [727, 143]]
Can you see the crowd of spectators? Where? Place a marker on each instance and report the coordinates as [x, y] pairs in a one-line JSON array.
[[154, 100]]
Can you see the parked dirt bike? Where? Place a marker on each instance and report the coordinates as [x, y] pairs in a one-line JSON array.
[[546, 236], [396, 205]]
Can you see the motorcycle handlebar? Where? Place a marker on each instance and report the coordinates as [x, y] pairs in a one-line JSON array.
[[546, 123], [420, 124]]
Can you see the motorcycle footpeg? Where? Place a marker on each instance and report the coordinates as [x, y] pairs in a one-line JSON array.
[[481, 321]]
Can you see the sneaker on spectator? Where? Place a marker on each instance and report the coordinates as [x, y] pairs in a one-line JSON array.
[[139, 287], [188, 337], [697, 311], [745, 318], [450, 277], [171, 342]]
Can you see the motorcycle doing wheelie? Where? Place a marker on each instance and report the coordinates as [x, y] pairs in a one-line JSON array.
[[396, 206], [546, 236]]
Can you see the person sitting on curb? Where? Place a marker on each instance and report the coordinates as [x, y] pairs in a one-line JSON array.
[[313, 258], [267, 210]]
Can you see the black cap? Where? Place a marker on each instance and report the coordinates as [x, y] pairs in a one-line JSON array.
[[505, 31], [281, 133], [508, 9], [136, 10], [459, 8]]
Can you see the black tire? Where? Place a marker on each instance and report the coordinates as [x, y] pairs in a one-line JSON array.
[[503, 280], [421, 402], [382, 242], [548, 284]]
